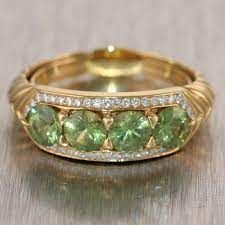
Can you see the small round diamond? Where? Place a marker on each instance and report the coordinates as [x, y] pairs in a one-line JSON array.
[[116, 102], [107, 103], [185, 105], [126, 102], [97, 103], [136, 102], [77, 102], [68, 101], [60, 100], [108, 155], [171, 99], [117, 156], [51, 99], [162, 100], [145, 102], [43, 97], [166, 99], [189, 112], [38, 97], [155, 101], [87, 103], [179, 98]]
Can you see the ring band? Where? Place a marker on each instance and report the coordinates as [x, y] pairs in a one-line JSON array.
[[112, 115]]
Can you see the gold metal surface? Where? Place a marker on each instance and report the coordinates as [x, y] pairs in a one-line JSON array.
[[113, 63]]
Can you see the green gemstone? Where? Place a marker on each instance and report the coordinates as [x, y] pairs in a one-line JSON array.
[[44, 125], [172, 127], [130, 131], [84, 130]]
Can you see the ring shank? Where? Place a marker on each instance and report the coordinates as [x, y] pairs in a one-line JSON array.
[[112, 64]]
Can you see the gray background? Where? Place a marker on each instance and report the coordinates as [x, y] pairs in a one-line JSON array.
[[185, 188]]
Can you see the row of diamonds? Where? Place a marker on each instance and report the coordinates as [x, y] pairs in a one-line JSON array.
[[106, 156], [112, 103]]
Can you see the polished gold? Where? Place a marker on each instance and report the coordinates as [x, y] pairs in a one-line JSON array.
[[115, 66]]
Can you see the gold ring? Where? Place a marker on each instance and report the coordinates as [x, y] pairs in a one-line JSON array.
[[101, 106]]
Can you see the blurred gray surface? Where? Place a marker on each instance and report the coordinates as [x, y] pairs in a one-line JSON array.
[[187, 188]]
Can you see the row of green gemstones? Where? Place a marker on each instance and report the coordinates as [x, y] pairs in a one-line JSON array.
[[130, 131]]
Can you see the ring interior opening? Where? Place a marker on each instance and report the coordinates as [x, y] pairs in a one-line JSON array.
[[112, 70]]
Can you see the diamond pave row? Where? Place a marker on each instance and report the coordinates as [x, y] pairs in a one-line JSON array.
[[105, 156], [111, 103]]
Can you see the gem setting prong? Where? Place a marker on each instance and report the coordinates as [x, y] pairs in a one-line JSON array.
[[107, 121], [153, 118], [107, 145], [151, 144]]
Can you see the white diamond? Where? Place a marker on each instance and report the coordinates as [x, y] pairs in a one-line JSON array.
[[46, 98], [171, 99], [68, 101], [87, 102], [161, 100], [161, 150], [88, 155], [126, 102], [166, 99], [32, 103], [74, 153], [60, 100], [62, 150], [144, 153], [116, 102], [126, 156], [29, 106], [93, 156], [179, 98], [117, 156], [136, 102], [70, 152], [137, 154], [155, 101], [145, 102], [51, 99], [78, 154], [97, 103], [107, 155], [107, 103], [100, 156], [43, 97], [77, 102], [38, 97], [185, 105]]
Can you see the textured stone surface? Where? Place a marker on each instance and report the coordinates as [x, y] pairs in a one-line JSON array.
[[172, 127], [130, 131], [84, 130], [44, 125]]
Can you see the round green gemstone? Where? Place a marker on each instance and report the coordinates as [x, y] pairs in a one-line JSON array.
[[130, 131], [172, 127], [44, 125], [84, 130]]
